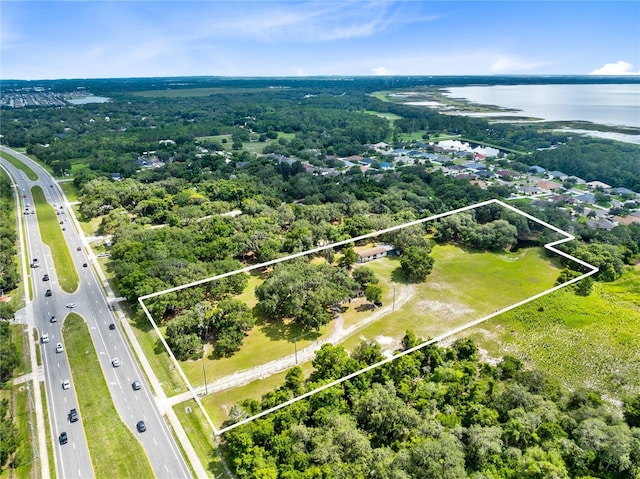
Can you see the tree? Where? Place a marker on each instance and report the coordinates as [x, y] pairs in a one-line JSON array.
[[349, 257], [304, 292], [632, 410], [416, 263], [373, 293], [363, 276]]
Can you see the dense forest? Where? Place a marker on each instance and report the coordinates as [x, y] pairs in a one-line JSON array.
[[8, 264], [434, 413]]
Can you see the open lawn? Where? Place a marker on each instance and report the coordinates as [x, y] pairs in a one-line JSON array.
[[582, 341], [51, 232], [114, 450], [20, 165], [464, 285]]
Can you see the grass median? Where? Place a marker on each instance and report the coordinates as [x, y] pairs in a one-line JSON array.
[[52, 236], [114, 450], [21, 166]]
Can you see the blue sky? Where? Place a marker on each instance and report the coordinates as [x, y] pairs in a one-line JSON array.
[[99, 39]]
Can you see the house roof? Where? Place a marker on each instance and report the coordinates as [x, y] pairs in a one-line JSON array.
[[548, 185], [381, 248]]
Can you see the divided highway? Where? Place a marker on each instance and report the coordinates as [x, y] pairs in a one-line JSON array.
[[90, 301]]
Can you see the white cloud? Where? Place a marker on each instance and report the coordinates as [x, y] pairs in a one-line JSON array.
[[381, 71], [618, 68]]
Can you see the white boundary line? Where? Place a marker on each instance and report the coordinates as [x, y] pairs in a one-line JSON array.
[[550, 246]]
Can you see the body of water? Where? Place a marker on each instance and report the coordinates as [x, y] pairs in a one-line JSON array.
[[617, 104], [88, 99]]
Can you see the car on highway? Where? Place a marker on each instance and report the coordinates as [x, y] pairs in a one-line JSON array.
[[136, 385], [35, 265], [53, 319], [61, 221], [45, 277], [63, 438], [112, 326], [71, 305], [141, 426], [115, 362], [48, 293], [84, 265], [44, 338], [79, 248], [59, 348], [73, 415], [66, 384]]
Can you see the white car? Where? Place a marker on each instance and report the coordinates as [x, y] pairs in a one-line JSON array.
[[115, 362], [71, 305], [66, 384], [59, 348], [44, 338]]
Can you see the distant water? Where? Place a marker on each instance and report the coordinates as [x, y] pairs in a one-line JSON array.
[[88, 99], [617, 104]]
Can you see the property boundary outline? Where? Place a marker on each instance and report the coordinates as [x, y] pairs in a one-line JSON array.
[[551, 246]]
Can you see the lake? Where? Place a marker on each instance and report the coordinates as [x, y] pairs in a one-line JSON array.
[[605, 104]]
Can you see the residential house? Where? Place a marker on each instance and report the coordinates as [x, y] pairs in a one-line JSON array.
[[537, 170], [378, 251], [601, 224], [598, 184], [548, 185], [558, 175]]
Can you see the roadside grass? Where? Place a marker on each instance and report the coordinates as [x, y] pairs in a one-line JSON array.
[[45, 409], [23, 461], [52, 235], [156, 354], [114, 450], [90, 227], [70, 190], [582, 341], [219, 404], [24, 417], [21, 166], [19, 337], [201, 437]]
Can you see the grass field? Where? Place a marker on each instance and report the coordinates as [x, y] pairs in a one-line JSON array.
[[588, 341], [114, 450], [461, 288], [70, 190], [201, 437], [464, 285], [21, 166], [51, 232]]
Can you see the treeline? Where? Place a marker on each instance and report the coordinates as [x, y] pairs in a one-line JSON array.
[[437, 413], [8, 266], [616, 164]]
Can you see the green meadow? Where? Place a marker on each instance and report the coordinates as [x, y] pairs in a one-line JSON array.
[[590, 341]]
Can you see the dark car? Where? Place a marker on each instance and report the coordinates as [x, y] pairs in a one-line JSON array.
[[112, 326], [136, 385], [141, 426], [53, 319], [73, 415], [63, 438], [45, 277], [84, 265], [48, 292]]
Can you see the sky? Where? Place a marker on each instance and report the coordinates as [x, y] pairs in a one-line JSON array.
[[100, 39]]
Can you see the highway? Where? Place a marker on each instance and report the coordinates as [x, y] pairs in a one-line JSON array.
[[89, 301]]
